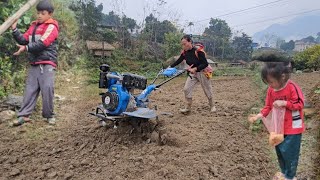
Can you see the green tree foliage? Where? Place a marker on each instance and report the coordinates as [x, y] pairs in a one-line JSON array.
[[308, 59], [242, 47], [120, 28], [69, 43], [7, 45], [129, 23], [218, 35], [89, 16], [155, 30], [108, 35], [12, 70], [150, 27], [172, 44], [111, 19], [287, 46], [165, 27]]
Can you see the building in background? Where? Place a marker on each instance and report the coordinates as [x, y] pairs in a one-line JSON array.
[[302, 45]]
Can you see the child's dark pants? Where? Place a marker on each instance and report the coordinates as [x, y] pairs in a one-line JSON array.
[[288, 155]]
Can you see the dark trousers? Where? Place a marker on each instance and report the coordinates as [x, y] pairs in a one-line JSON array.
[[288, 155]]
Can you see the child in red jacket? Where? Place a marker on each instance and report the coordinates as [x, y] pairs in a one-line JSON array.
[[283, 92], [40, 41]]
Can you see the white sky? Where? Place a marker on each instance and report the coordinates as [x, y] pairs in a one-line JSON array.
[[184, 11]]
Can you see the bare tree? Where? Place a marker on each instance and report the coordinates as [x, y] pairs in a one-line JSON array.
[[269, 40], [118, 6]]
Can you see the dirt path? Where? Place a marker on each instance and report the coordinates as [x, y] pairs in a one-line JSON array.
[[199, 146]]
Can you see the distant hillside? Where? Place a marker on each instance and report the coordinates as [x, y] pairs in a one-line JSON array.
[[297, 28]]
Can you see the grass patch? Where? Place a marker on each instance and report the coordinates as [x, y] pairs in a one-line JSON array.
[[255, 109], [233, 71]]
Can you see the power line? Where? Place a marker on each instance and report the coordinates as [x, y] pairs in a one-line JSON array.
[[271, 19], [242, 10], [231, 13]]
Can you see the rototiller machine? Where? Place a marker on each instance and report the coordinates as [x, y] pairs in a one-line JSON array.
[[119, 102]]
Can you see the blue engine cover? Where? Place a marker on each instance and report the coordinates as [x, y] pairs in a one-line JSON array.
[[112, 81], [123, 98]]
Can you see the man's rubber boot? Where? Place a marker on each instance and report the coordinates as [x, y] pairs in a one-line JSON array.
[[188, 108]]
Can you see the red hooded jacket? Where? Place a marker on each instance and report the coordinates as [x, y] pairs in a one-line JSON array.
[[41, 42], [293, 118]]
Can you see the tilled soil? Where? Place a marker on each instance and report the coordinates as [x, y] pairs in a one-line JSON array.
[[310, 152], [200, 145]]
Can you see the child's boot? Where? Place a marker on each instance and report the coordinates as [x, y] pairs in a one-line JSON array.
[[51, 121], [21, 120], [278, 176]]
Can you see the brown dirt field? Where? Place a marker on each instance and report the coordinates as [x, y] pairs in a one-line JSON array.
[[198, 146], [310, 152]]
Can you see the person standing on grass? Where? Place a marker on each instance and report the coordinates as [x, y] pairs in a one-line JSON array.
[[282, 92], [40, 41], [197, 62]]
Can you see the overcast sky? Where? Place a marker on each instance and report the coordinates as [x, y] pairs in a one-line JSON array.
[[184, 11]]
